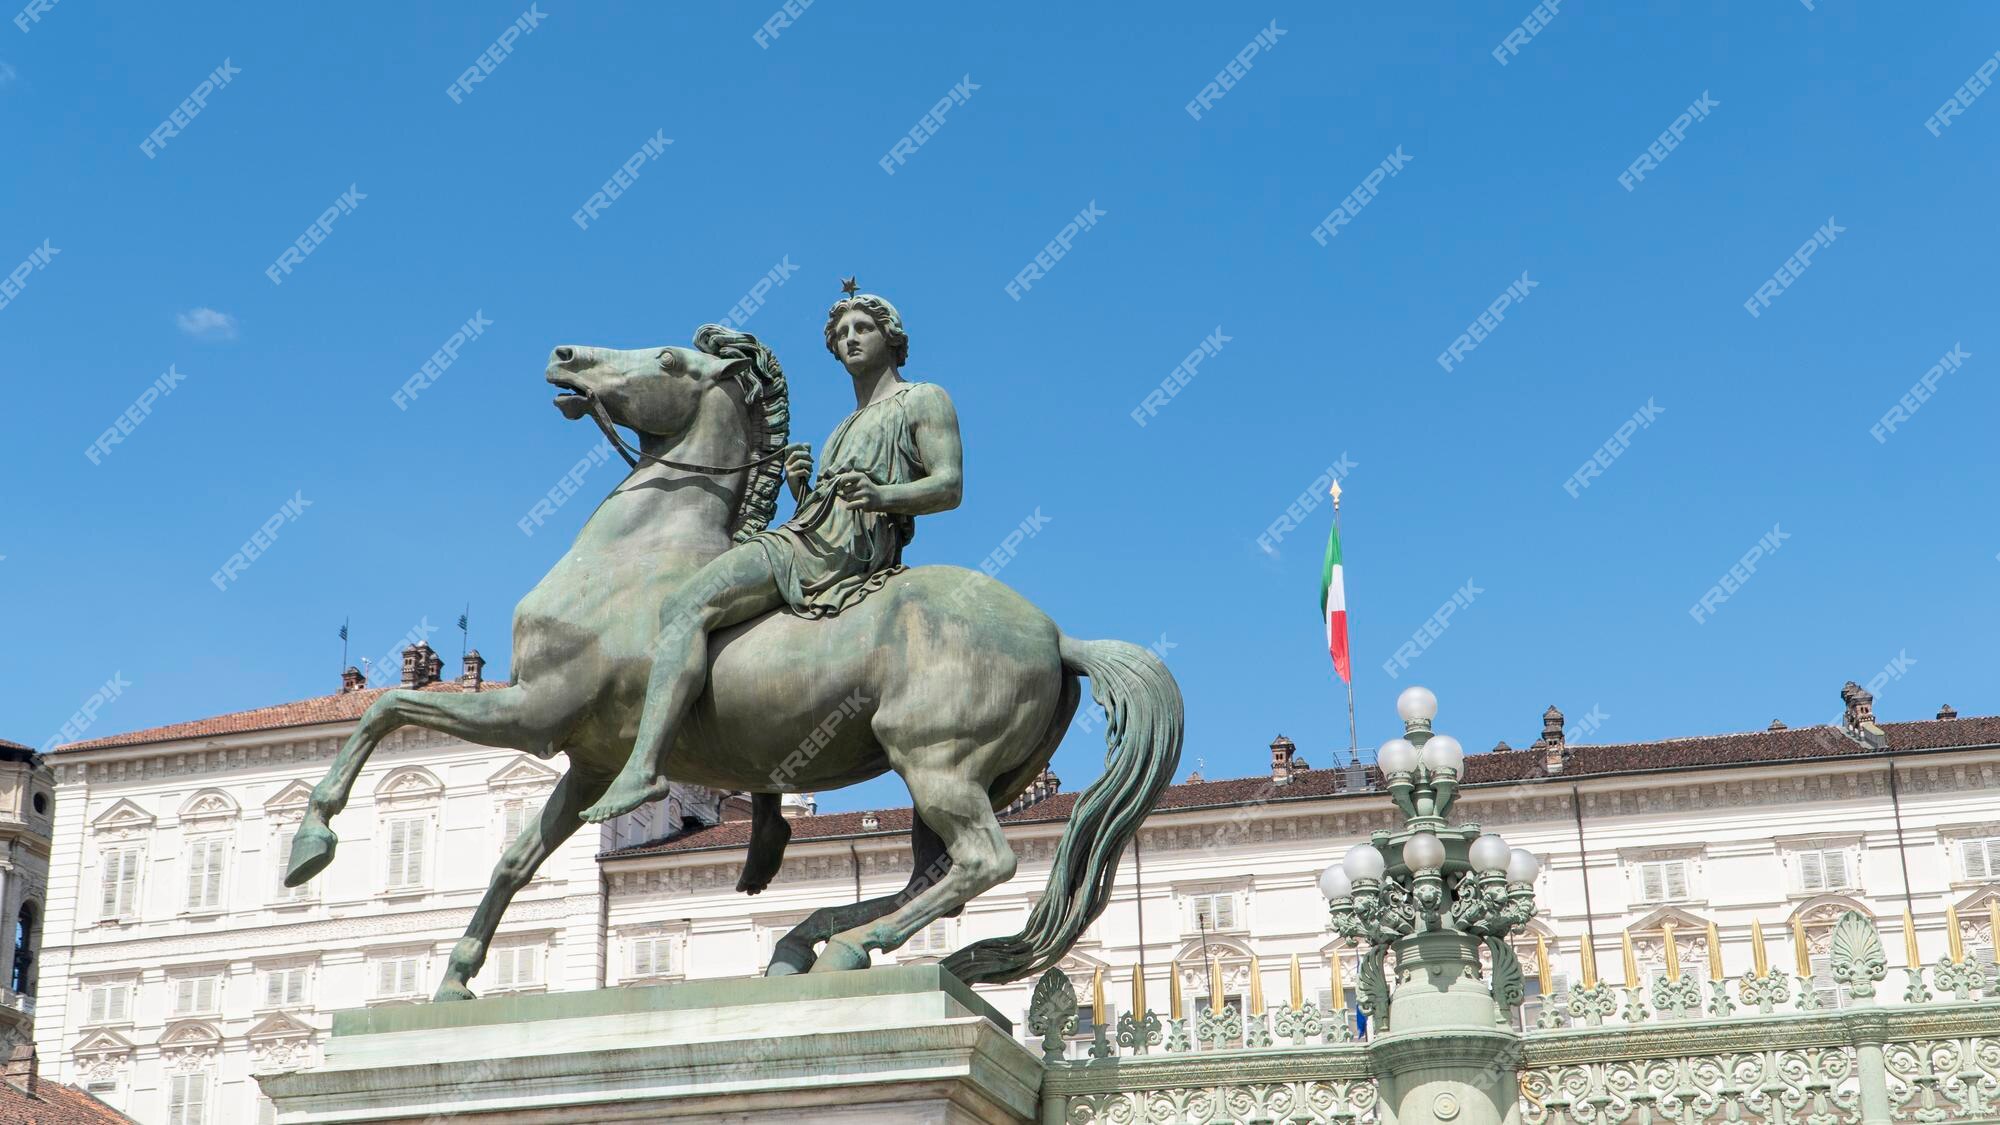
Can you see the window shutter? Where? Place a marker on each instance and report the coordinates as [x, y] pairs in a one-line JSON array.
[[217, 850], [274, 989], [100, 999], [1836, 870], [128, 882], [113, 872], [183, 997], [1225, 912], [1652, 882], [1811, 877], [1978, 859], [406, 977], [385, 978], [194, 874], [1677, 880]]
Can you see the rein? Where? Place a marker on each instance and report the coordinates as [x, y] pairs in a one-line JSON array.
[[634, 455]]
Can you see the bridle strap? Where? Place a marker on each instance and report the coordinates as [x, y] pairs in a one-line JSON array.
[[634, 455]]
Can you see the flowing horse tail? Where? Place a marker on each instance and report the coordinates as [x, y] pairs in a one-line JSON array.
[[1143, 705]]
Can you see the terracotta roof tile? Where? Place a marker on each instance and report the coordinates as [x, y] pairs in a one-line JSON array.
[[54, 1103], [1493, 767], [6, 745], [339, 707]]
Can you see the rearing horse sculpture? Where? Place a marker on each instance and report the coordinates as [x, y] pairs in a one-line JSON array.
[[947, 677]]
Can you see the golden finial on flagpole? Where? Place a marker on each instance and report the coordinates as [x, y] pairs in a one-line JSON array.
[[1335, 493]]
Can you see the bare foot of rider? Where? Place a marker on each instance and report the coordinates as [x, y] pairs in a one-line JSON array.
[[632, 789]]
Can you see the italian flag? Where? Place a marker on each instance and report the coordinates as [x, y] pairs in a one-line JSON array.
[[1333, 606]]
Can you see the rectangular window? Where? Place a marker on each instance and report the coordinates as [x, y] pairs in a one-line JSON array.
[[285, 988], [396, 976], [204, 872], [1981, 857], [652, 956], [406, 851], [933, 940], [1663, 881], [1214, 912], [194, 996], [1823, 869], [187, 1099], [281, 854], [516, 966], [120, 869], [109, 1002], [514, 816]]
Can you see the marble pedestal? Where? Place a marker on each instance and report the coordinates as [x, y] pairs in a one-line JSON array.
[[904, 1044]]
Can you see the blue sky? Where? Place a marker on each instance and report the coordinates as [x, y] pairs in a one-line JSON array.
[[1888, 557]]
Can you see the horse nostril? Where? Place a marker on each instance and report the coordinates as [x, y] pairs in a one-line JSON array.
[[564, 355]]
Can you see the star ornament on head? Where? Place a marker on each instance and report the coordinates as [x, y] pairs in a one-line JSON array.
[[849, 286]]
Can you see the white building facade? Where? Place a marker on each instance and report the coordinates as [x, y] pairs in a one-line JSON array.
[[176, 965], [1774, 826], [176, 962]]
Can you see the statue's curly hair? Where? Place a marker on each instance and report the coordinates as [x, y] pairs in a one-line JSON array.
[[885, 316], [766, 395]]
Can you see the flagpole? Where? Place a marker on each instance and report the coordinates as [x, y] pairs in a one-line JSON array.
[[1353, 741]]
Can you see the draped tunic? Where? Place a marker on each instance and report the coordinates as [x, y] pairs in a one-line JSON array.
[[828, 557]]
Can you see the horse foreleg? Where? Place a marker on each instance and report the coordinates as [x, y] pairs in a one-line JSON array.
[[958, 806], [794, 952], [512, 717], [538, 840]]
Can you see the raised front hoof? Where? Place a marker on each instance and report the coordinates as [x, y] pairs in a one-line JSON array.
[[840, 954], [312, 850], [749, 884], [452, 990]]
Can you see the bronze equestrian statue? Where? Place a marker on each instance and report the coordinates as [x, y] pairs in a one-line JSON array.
[[682, 639]]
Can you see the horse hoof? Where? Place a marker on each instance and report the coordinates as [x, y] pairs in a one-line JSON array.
[[782, 969], [840, 954], [312, 850], [452, 990]]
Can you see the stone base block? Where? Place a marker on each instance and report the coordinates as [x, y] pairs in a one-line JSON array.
[[902, 1044]]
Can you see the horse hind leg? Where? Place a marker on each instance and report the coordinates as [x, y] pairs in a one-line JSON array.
[[514, 717], [794, 952], [538, 840], [954, 800], [769, 833]]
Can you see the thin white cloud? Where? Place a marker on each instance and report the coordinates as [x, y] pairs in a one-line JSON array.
[[207, 324]]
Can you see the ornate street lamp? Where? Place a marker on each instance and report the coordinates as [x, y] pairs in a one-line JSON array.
[[1433, 893]]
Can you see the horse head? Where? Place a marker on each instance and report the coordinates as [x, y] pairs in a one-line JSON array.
[[723, 401], [656, 391]]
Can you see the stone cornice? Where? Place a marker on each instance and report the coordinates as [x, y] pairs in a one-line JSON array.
[[1345, 817], [412, 927]]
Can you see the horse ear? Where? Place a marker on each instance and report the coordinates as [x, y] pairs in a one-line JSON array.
[[740, 369]]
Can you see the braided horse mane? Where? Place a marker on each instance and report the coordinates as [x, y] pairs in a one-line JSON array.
[[769, 405]]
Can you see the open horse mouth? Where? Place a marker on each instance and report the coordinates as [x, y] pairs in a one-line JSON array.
[[574, 402]]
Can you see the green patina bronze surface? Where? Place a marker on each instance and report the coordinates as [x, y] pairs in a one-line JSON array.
[[679, 639]]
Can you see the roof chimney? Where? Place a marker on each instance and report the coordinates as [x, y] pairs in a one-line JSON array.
[[351, 679], [421, 666], [475, 671], [1859, 719], [1945, 712], [21, 1068], [1555, 752], [1777, 724], [1283, 750]]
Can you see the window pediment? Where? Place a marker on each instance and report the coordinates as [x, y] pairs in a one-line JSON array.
[[408, 785], [123, 819], [208, 806], [523, 775]]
